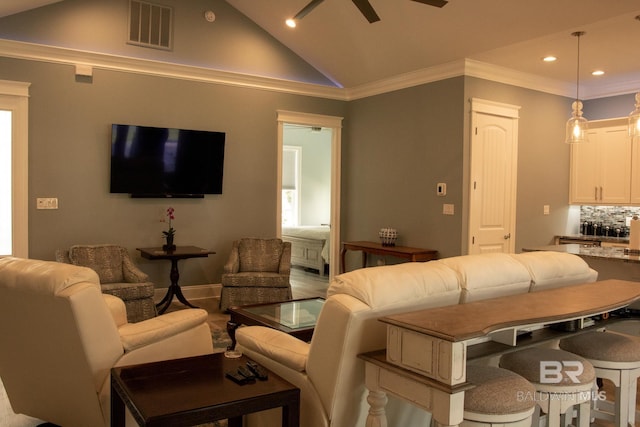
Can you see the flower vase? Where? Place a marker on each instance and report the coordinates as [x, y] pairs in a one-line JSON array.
[[169, 246]]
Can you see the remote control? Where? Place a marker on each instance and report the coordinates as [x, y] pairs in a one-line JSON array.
[[258, 370], [246, 373], [237, 378]]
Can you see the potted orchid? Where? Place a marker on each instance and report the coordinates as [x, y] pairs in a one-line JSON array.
[[170, 233]]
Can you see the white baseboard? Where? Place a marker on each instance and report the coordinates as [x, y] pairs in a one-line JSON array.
[[192, 292]]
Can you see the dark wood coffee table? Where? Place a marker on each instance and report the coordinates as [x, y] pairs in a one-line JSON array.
[[194, 390], [296, 317]]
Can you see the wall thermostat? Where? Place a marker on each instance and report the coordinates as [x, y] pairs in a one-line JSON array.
[[441, 189]]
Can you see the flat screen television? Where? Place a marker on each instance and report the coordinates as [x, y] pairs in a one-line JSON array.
[[166, 162]]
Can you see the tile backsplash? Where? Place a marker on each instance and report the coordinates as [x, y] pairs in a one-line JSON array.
[[608, 216]]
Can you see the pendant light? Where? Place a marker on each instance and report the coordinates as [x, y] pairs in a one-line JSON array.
[[577, 125], [634, 121]]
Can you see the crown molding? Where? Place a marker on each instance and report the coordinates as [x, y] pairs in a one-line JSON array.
[[86, 61], [407, 80]]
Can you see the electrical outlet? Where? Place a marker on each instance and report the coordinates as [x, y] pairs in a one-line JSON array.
[[47, 203], [545, 210], [447, 209]]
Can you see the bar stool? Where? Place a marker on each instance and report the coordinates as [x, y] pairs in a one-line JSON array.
[[500, 397], [565, 382], [615, 357]]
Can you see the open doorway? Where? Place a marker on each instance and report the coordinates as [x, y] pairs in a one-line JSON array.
[[308, 199]]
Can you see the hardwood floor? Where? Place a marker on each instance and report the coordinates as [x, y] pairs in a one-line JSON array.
[[308, 283]]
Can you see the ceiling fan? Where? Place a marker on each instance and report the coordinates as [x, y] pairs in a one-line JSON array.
[[365, 8]]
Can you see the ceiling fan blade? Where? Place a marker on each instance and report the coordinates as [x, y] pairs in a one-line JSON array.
[[308, 8], [367, 10], [436, 3]]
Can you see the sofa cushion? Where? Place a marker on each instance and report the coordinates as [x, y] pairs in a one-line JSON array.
[[106, 260], [488, 275], [260, 255], [550, 269], [401, 283]]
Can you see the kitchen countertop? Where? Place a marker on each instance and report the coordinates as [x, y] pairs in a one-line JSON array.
[[612, 253], [591, 238]]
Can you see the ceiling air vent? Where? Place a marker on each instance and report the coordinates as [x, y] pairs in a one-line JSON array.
[[150, 25]]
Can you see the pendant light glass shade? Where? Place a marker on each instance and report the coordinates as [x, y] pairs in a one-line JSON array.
[[634, 121], [577, 126]]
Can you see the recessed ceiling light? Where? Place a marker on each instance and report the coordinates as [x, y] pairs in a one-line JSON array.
[[291, 23], [549, 58], [597, 73]]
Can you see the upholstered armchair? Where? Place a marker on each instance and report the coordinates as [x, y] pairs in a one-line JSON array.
[[257, 271], [60, 337], [119, 276]]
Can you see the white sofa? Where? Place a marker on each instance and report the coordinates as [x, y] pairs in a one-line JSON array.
[[328, 371], [60, 337]]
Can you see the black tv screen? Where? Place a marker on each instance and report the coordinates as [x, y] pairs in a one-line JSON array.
[[166, 162]]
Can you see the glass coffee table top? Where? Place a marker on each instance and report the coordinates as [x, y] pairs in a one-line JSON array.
[[297, 314], [296, 317]]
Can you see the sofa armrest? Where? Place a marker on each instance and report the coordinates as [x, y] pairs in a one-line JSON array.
[[117, 309], [283, 348], [146, 332]]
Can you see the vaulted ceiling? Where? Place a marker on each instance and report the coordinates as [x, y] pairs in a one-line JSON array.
[[503, 37]]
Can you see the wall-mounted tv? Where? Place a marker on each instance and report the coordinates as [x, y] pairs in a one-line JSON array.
[[166, 162]]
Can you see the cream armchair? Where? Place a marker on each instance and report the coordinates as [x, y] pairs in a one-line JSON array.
[[118, 275], [60, 336]]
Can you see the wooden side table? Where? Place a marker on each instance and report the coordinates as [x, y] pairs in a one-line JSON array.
[[405, 252], [194, 390], [181, 252]]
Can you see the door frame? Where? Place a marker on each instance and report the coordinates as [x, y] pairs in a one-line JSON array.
[[335, 124]]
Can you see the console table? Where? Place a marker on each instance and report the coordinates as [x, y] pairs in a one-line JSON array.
[[405, 252], [180, 252], [426, 356]]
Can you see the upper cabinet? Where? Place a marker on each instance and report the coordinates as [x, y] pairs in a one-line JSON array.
[[601, 169]]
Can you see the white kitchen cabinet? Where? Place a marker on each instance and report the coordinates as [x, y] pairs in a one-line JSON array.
[[601, 168]]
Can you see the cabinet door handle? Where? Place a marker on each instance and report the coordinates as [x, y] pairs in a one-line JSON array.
[[600, 193], [595, 195]]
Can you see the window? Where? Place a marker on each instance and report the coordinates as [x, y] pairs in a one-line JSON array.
[[6, 234], [291, 160], [14, 165]]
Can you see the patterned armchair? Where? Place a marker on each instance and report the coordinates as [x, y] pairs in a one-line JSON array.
[[257, 272], [118, 275]]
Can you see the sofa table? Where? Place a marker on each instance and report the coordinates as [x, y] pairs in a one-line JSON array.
[[194, 390], [180, 252], [405, 252], [427, 350]]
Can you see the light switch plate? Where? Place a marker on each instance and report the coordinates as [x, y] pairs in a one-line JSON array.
[[47, 203]]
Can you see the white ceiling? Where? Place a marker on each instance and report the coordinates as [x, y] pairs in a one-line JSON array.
[[337, 40], [9, 7], [412, 37]]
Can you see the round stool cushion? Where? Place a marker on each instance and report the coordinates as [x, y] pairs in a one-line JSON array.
[[609, 346], [528, 362], [497, 391]]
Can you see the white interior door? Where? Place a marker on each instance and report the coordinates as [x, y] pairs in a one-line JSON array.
[[492, 206]]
